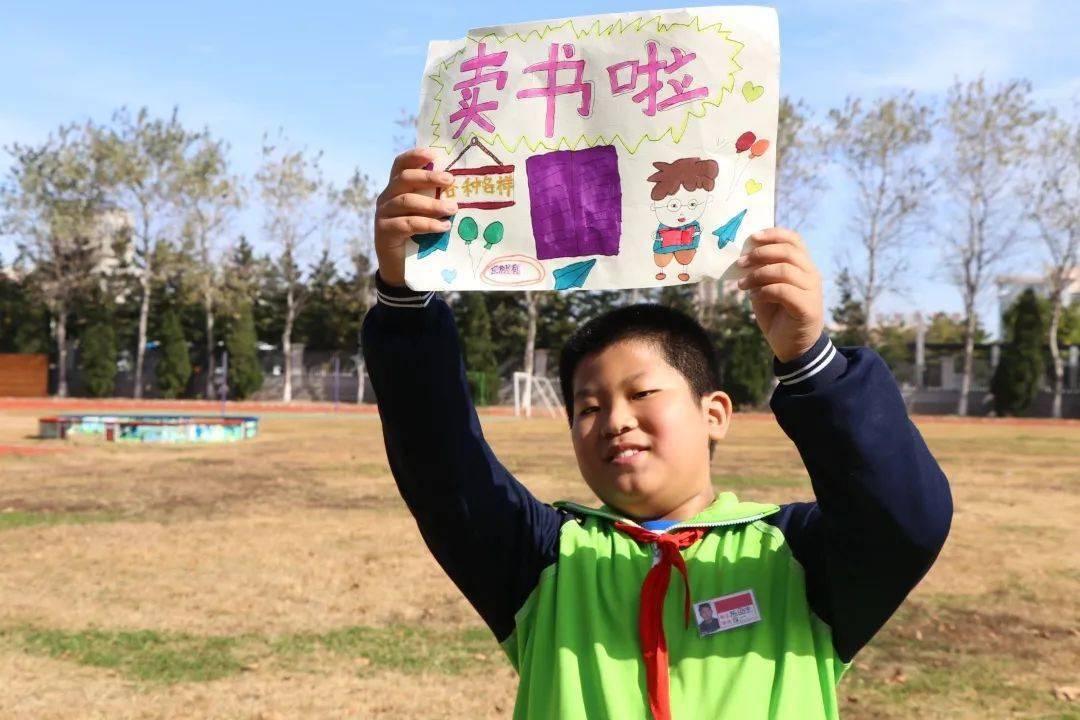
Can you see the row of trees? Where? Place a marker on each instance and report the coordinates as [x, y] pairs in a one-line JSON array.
[[135, 219], [985, 175], [138, 213]]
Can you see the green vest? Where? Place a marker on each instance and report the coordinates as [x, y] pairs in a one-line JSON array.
[[575, 642]]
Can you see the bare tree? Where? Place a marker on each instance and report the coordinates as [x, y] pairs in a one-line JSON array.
[[293, 193], [356, 201], [799, 155], [211, 198], [54, 202], [146, 159], [881, 148], [985, 140], [1055, 187]]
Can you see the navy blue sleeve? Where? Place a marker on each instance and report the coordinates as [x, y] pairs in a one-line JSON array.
[[490, 535], [883, 505]]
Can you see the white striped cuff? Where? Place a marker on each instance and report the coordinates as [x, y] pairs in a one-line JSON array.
[[400, 297], [415, 301], [820, 365]]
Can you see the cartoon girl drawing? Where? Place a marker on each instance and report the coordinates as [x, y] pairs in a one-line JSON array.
[[680, 194]]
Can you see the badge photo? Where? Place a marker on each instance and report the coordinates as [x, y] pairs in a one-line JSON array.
[[726, 612]]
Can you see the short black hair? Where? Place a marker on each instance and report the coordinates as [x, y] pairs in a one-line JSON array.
[[684, 343]]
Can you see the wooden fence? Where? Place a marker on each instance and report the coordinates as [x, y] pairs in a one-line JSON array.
[[24, 375]]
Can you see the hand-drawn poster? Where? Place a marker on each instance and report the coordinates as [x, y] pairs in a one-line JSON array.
[[612, 151]]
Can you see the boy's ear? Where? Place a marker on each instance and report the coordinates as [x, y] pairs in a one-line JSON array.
[[718, 408]]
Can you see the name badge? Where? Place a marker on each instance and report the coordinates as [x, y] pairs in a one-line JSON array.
[[726, 613]]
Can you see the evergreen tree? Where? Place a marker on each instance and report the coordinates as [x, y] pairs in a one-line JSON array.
[[849, 314], [24, 321], [509, 323], [894, 343], [681, 297], [243, 275], [318, 323], [174, 367], [745, 357], [1020, 372], [245, 372], [478, 350], [97, 346], [555, 324]]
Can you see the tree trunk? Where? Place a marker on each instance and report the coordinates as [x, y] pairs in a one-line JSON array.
[[140, 350], [531, 301], [286, 346], [61, 352], [208, 306], [1055, 353], [969, 361]]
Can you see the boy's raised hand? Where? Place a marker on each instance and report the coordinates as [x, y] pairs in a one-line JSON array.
[[403, 210], [785, 291]]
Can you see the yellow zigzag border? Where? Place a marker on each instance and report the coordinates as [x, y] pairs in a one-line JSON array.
[[636, 25]]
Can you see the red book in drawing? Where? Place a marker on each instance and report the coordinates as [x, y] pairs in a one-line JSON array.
[[673, 237]]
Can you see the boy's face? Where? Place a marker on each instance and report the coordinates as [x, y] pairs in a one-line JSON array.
[[641, 436], [682, 208]]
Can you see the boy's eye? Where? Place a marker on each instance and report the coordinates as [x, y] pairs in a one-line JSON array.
[[674, 205], [692, 205], [643, 394], [588, 409]]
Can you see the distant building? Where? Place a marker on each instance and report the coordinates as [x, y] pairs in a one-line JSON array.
[[1010, 287]]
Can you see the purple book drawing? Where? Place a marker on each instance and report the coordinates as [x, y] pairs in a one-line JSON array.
[[576, 202]]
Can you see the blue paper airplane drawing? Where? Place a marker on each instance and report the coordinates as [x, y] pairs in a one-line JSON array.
[[725, 234], [573, 275], [430, 242]]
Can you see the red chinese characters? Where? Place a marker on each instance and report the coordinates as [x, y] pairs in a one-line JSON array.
[[552, 89], [681, 87], [470, 108]]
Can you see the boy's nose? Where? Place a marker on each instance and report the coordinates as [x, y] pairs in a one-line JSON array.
[[619, 422]]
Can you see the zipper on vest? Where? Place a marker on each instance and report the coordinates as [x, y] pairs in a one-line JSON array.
[[725, 523]]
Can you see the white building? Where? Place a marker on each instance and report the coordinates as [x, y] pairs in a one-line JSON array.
[[1011, 286]]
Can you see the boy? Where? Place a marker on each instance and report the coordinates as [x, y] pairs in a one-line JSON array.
[[680, 194], [581, 599]]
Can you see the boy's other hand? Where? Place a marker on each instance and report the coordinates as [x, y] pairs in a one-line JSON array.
[[785, 291], [408, 207]]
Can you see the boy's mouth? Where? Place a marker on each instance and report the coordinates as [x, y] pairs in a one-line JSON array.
[[625, 453], [682, 219]]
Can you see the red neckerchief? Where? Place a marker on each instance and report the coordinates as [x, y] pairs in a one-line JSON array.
[[651, 617]]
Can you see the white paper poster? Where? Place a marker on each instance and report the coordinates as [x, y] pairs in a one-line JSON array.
[[611, 151]]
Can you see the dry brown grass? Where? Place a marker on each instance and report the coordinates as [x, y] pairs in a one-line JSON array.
[[294, 552]]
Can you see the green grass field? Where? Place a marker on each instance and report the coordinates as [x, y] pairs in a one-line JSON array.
[[283, 577]]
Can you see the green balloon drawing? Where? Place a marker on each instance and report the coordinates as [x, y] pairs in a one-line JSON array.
[[467, 229], [493, 234]]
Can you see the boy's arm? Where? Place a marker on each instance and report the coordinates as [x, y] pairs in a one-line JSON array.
[[489, 534], [883, 505]]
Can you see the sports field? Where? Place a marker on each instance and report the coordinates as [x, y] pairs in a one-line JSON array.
[[283, 578]]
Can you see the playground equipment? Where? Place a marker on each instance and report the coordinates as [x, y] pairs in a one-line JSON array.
[[151, 428]]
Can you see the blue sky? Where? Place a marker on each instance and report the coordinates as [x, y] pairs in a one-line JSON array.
[[245, 67]]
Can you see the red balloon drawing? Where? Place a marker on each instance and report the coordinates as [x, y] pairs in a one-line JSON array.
[[758, 149], [745, 141]]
